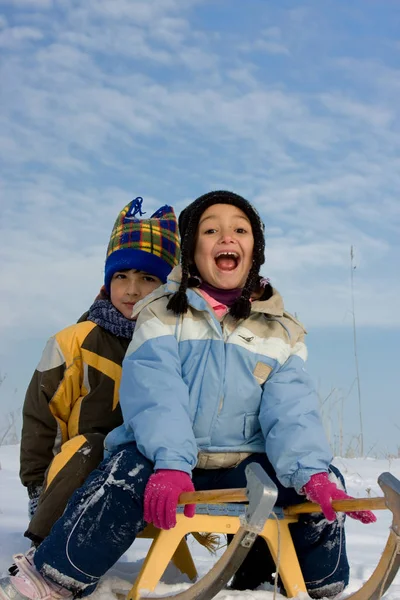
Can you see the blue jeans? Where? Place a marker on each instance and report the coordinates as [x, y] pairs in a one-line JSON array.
[[104, 516]]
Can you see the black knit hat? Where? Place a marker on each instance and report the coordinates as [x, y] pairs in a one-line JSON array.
[[188, 223]]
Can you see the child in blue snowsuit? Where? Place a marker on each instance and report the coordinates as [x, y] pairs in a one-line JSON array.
[[213, 379]]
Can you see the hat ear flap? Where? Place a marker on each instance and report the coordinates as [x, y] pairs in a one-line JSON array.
[[164, 212]]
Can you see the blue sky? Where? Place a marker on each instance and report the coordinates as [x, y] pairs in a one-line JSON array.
[[292, 104]]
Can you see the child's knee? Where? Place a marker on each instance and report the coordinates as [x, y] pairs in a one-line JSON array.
[[130, 466]]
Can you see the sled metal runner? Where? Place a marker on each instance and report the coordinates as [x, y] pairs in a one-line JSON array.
[[260, 495]]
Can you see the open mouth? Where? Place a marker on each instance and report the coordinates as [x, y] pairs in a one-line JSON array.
[[227, 261]]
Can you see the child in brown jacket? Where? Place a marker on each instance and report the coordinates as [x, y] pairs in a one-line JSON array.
[[72, 400]]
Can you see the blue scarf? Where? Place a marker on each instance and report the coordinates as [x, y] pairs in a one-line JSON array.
[[103, 313]]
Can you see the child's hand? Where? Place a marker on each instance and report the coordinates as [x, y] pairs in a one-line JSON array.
[[322, 491], [161, 497]]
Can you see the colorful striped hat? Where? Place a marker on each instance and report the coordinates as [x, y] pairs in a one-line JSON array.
[[150, 245]]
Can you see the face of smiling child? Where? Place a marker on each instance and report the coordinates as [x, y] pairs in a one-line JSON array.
[[128, 287], [224, 246]]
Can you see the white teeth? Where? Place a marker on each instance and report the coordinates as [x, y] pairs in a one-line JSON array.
[[234, 254]]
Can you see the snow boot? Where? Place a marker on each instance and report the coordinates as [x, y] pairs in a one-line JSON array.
[[28, 584]]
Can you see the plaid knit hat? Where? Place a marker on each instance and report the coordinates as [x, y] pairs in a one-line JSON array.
[[188, 223], [150, 245]]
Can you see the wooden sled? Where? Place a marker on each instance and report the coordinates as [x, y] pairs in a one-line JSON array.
[[216, 513]]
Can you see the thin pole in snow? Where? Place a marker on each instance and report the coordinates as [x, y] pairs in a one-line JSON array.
[[353, 312]]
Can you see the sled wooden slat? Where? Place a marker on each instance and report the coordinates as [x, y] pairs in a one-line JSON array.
[[239, 495], [214, 496], [355, 504]]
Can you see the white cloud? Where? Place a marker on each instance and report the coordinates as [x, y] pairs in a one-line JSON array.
[[271, 46], [14, 37], [270, 41], [113, 99], [58, 239], [374, 115], [31, 4], [140, 11]]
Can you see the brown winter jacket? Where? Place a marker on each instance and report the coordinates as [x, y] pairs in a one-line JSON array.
[[73, 391]]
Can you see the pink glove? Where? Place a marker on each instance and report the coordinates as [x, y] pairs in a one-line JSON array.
[[161, 497], [322, 491]]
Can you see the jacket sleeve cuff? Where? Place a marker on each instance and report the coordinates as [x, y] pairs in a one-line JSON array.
[[174, 465], [302, 476], [34, 490]]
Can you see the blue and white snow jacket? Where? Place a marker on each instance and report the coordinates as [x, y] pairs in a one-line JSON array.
[[192, 383]]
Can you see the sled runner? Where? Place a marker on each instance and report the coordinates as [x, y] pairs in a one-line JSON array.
[[216, 512]]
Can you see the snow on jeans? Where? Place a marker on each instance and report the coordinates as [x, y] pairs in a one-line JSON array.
[[105, 515]]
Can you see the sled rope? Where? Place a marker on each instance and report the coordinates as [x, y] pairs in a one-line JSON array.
[[278, 557], [210, 541]]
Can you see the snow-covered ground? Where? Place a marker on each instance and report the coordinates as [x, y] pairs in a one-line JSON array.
[[365, 542]]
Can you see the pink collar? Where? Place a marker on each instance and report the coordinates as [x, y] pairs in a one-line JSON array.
[[219, 309]]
